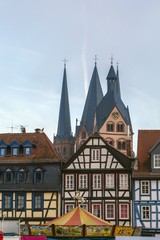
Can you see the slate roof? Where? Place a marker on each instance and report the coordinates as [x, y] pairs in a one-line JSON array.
[[147, 139], [42, 148], [64, 122], [94, 97], [124, 160]]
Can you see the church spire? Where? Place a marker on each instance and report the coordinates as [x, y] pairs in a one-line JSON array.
[[111, 78], [64, 123], [118, 91]]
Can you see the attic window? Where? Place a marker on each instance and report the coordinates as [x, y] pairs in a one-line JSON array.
[[156, 160], [3, 147], [15, 148], [27, 148]]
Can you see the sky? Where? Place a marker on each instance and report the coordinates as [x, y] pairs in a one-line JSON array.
[[35, 37]]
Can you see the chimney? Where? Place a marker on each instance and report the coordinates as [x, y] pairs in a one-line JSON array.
[[23, 130], [37, 130]]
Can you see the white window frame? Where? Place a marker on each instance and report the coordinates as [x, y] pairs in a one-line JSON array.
[[69, 205], [123, 181], [84, 206], [82, 181], [120, 208], [106, 206], [145, 187], [95, 155], [69, 181], [143, 208], [155, 160], [110, 178], [97, 181], [94, 209]]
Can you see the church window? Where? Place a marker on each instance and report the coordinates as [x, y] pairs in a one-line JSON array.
[[8, 175], [121, 145], [156, 160], [7, 203], [69, 182], [120, 127], [145, 212], [83, 181], [83, 135], [110, 127], [110, 211], [123, 181], [96, 210], [97, 179], [69, 207], [124, 211], [144, 187], [110, 180], [95, 155]]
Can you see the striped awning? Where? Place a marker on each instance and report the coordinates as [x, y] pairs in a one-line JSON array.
[[78, 216]]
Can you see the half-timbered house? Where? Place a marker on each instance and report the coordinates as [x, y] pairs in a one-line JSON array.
[[29, 178], [102, 176], [146, 182]]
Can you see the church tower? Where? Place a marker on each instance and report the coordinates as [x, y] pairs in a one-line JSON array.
[[112, 116], [64, 140], [94, 96]]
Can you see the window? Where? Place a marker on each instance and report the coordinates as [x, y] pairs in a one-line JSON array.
[[110, 127], [120, 127], [37, 201], [145, 187], [83, 181], [96, 210], [110, 141], [110, 211], [64, 151], [123, 181], [69, 207], [21, 175], [121, 145], [96, 181], [83, 135], [156, 160], [15, 148], [84, 206], [3, 147], [124, 210], [110, 181], [145, 212], [95, 153], [7, 201], [69, 180], [38, 175], [8, 175], [20, 201], [15, 151], [27, 148]]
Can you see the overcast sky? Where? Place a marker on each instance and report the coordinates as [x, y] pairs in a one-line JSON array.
[[36, 35]]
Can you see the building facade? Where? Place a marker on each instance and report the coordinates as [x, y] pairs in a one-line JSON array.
[[146, 182], [30, 180], [102, 176]]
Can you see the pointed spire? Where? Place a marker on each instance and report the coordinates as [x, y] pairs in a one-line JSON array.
[[111, 78], [118, 83], [64, 123], [94, 97]]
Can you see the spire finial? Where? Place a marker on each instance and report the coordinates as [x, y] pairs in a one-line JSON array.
[[95, 58], [117, 65], [112, 59], [65, 61]]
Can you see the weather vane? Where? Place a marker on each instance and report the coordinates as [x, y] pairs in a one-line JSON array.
[[95, 58], [112, 58], [65, 61], [79, 198]]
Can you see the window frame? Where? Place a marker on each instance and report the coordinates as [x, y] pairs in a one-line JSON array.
[[120, 127], [110, 126], [124, 186], [79, 180], [8, 170], [114, 211], [38, 171], [97, 157], [21, 170], [34, 195], [149, 209], [111, 186], [121, 144], [120, 210], [154, 160], [94, 187], [16, 201], [3, 201], [145, 186], [68, 204], [84, 204], [69, 188], [92, 207]]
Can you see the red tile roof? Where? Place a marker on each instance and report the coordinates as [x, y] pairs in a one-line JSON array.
[[146, 140], [43, 149]]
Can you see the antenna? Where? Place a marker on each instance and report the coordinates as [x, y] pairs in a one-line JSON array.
[[22, 127], [12, 127]]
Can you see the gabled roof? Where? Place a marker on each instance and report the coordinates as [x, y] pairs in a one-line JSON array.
[[94, 97], [43, 149], [64, 122], [124, 160], [147, 139]]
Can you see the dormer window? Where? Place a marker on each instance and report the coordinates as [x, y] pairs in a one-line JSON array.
[[3, 147], [156, 160], [15, 148], [27, 148]]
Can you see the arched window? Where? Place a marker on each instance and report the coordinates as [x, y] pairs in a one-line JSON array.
[[110, 141], [110, 127], [120, 127], [121, 144]]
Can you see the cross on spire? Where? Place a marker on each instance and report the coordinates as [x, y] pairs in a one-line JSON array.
[[95, 58], [65, 61], [112, 58]]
